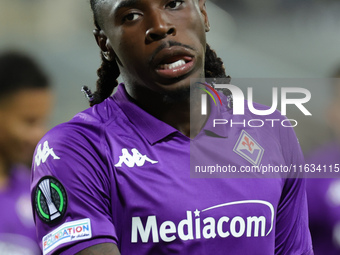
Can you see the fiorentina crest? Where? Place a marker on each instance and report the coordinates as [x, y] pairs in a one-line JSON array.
[[249, 149]]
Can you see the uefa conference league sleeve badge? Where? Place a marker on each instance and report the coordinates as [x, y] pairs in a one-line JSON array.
[[50, 200]]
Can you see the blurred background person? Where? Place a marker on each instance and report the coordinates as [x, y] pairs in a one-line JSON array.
[[25, 103], [324, 194]]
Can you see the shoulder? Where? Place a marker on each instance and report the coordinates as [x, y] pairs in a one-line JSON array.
[[262, 119], [68, 139], [272, 128], [80, 140], [251, 110], [84, 126], [255, 110]]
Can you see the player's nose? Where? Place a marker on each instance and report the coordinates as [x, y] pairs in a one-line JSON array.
[[160, 26]]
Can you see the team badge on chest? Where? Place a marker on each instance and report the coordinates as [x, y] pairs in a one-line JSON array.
[[249, 149]]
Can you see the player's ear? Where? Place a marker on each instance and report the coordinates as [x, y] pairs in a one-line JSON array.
[[104, 44], [203, 10]]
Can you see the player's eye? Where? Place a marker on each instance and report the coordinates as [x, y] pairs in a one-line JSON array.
[[174, 4], [131, 17]]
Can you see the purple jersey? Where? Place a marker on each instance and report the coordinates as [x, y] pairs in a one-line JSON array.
[[324, 203], [114, 173], [17, 231]]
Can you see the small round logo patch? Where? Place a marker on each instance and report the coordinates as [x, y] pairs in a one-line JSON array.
[[50, 200]]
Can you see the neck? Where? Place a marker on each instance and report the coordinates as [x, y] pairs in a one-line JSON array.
[[177, 112]]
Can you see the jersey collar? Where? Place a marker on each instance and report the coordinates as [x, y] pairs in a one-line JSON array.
[[151, 128], [155, 130]]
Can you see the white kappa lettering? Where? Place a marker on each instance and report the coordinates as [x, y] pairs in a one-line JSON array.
[[135, 159], [42, 154]]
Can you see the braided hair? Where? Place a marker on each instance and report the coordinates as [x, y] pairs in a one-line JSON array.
[[108, 72]]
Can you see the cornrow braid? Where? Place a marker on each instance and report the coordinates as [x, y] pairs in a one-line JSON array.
[[107, 81], [108, 72], [213, 66]]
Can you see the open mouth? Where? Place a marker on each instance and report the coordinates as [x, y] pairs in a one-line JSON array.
[[174, 62], [175, 66]]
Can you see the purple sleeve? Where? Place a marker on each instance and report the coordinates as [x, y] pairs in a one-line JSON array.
[[292, 232], [72, 156], [83, 245]]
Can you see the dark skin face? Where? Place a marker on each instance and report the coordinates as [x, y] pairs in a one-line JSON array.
[[159, 46]]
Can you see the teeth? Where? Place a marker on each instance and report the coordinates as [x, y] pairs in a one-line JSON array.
[[178, 63]]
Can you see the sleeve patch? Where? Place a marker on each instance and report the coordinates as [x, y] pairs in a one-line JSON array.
[[50, 200], [66, 233]]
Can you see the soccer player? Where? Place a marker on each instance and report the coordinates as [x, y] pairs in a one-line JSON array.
[[324, 194], [25, 102], [116, 178]]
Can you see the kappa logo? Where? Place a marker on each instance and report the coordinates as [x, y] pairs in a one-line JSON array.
[[135, 159], [42, 154], [249, 149]]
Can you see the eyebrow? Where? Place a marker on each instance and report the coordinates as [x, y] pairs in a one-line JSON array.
[[126, 4]]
